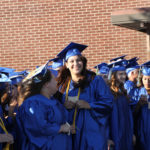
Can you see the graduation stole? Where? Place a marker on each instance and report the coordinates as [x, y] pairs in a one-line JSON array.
[[66, 98], [5, 130]]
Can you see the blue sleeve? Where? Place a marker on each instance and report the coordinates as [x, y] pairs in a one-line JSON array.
[[38, 120], [133, 93], [101, 104]]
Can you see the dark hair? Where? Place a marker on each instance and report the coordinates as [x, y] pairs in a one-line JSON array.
[[64, 76], [116, 87], [30, 87]]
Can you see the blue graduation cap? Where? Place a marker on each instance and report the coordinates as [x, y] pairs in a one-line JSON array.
[[40, 70], [146, 68], [118, 58], [4, 78], [100, 65], [6, 71], [146, 71], [132, 65], [17, 77], [57, 63], [71, 50], [116, 66], [133, 61], [146, 64], [122, 62], [102, 68]]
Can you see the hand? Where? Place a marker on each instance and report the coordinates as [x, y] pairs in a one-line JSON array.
[[69, 104], [143, 100], [66, 128], [6, 138], [110, 143], [12, 106], [134, 139], [81, 104], [13, 103]]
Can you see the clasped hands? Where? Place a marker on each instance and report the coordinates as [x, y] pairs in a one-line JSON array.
[[80, 104], [67, 128]]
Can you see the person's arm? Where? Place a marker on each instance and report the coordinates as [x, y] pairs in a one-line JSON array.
[[101, 104]]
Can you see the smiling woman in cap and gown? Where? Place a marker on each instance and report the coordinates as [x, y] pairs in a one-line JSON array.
[[143, 107], [87, 98], [121, 120], [41, 119]]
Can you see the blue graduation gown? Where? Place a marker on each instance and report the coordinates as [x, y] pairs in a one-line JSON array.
[[121, 124], [92, 125], [133, 93], [143, 124], [38, 122], [129, 85]]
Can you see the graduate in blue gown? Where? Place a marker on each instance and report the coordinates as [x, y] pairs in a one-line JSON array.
[[88, 99], [41, 119], [121, 120], [132, 71], [143, 113]]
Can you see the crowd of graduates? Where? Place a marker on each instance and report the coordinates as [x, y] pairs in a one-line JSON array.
[[65, 106]]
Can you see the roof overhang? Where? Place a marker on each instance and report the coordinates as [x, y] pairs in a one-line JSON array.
[[136, 19]]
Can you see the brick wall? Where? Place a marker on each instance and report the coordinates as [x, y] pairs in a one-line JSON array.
[[33, 31]]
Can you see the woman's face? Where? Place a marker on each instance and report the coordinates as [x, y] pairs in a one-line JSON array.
[[75, 65], [121, 76], [146, 81], [52, 85]]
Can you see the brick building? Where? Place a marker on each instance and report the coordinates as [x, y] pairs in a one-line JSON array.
[[33, 31]]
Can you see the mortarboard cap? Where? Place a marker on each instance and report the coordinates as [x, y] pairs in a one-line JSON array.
[[71, 50], [117, 65], [100, 65], [118, 58], [118, 68], [146, 68], [57, 63], [146, 71], [4, 78], [6, 71], [146, 64], [40, 70], [132, 62], [17, 77], [102, 68], [132, 65], [122, 62]]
